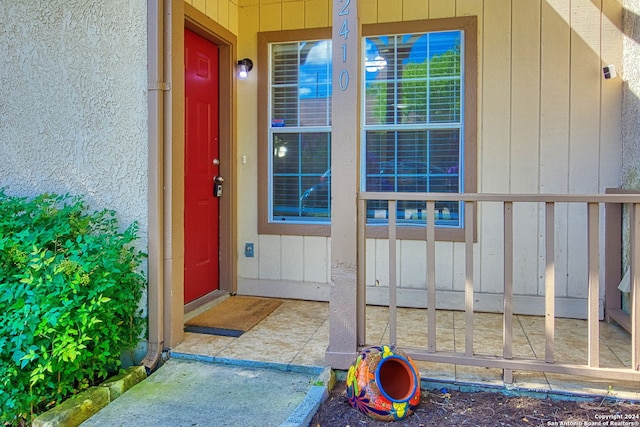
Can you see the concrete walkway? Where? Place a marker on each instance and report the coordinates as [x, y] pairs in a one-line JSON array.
[[190, 391]]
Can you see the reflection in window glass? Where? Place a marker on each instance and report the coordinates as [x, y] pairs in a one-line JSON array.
[[299, 131], [412, 132]]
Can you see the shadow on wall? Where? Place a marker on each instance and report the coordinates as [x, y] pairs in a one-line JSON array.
[[629, 17]]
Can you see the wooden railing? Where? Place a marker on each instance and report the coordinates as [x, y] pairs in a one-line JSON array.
[[507, 362]]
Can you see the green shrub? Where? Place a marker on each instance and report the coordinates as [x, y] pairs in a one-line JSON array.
[[70, 288]]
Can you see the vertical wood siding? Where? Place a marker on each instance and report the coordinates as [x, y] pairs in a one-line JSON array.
[[547, 123], [224, 12]]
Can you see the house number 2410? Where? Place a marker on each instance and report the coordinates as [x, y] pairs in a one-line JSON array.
[[343, 81]]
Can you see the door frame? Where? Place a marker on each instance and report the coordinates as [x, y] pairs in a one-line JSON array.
[[186, 16]]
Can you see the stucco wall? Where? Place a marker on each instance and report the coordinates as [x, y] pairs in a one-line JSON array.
[[631, 98], [630, 113], [73, 110]]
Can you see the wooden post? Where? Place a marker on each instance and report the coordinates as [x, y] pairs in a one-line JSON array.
[[507, 320], [635, 283], [345, 141], [593, 245], [550, 284]]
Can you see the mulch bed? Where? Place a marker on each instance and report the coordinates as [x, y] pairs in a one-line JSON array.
[[455, 408]]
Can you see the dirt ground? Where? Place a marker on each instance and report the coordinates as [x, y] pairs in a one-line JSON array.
[[486, 409]]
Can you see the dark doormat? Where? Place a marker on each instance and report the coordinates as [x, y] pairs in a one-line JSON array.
[[233, 316]]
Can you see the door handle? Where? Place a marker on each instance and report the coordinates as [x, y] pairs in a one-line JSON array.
[[217, 185]]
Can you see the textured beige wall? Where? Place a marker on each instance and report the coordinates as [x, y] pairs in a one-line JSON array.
[[631, 100], [630, 112], [73, 110]]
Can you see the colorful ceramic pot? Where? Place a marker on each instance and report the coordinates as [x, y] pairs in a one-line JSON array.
[[384, 384]]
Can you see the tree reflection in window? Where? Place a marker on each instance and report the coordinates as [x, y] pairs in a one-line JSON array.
[[413, 121]]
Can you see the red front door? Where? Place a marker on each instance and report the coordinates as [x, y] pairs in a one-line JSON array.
[[201, 205]]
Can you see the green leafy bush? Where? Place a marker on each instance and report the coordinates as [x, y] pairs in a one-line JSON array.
[[70, 287]]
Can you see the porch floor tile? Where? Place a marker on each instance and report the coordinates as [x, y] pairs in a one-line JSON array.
[[297, 332]]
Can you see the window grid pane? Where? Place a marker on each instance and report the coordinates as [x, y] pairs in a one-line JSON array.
[[301, 175], [300, 94], [413, 122]]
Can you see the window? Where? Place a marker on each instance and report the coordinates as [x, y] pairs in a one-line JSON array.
[[300, 130], [297, 124], [413, 122], [418, 123]]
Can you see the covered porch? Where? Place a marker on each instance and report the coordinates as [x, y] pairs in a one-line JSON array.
[[297, 333], [491, 326]]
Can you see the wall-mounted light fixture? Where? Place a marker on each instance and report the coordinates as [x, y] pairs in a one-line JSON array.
[[244, 66]]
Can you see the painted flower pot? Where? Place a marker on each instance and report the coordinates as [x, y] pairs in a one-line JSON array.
[[384, 384]]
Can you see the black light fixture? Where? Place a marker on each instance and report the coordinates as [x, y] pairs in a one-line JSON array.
[[244, 66]]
